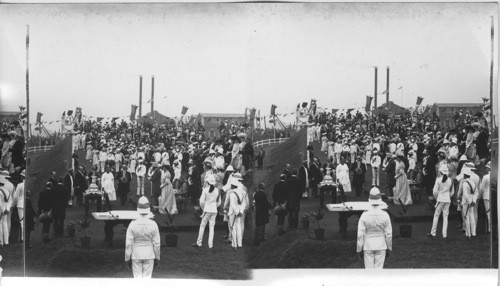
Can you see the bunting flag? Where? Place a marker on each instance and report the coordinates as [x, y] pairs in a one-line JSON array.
[[184, 110], [39, 118], [114, 119], [349, 110], [252, 113], [304, 104], [70, 112], [334, 110], [63, 115], [368, 103], [132, 112], [258, 118], [419, 100], [99, 119], [313, 106], [273, 110]]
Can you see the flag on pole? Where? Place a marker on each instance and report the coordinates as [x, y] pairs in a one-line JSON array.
[[39, 118], [419, 100], [114, 119], [368, 103], [252, 113], [401, 87], [273, 110], [184, 110], [349, 110], [334, 110], [70, 112], [304, 104], [313, 106], [133, 110], [99, 119]]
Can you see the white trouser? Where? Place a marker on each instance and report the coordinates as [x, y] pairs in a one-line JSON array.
[[445, 209], [142, 268], [237, 233], [469, 220], [140, 186], [4, 230], [117, 166], [9, 221], [374, 258], [210, 218], [375, 176], [103, 166], [337, 157], [488, 212], [346, 187], [20, 212], [353, 158]]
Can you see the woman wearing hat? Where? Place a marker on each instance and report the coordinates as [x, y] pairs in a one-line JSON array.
[[210, 200], [142, 242], [108, 184], [167, 202], [6, 156], [402, 188], [443, 191], [374, 233]]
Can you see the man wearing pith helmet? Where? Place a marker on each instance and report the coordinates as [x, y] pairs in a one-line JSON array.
[[142, 244], [374, 233]]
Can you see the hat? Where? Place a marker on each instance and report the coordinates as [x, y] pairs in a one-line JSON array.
[[212, 151], [12, 133], [470, 165], [230, 168], [467, 171], [140, 160], [4, 174], [210, 179], [23, 173], [487, 165], [463, 158], [207, 160], [143, 206], [441, 150], [446, 141], [476, 124], [237, 176], [220, 150], [444, 169], [454, 140], [375, 197], [327, 180]]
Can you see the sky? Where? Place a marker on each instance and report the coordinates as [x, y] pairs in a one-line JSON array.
[[222, 58]]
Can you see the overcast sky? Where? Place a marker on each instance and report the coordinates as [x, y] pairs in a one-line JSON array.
[[225, 57]]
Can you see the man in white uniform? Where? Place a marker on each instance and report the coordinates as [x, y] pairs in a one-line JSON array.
[[19, 201], [238, 202], [140, 172], [469, 199], [142, 244], [9, 194], [484, 189], [374, 233], [375, 163]]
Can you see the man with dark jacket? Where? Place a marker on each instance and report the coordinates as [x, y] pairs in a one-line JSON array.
[[262, 206], [80, 186], [53, 179], [45, 203], [359, 170], [69, 184], [155, 178], [314, 177], [279, 198], [303, 177], [293, 200], [59, 204], [391, 172], [124, 178]]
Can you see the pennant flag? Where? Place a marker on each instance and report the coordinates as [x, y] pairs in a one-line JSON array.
[[304, 104], [419, 100], [313, 106], [384, 92], [334, 110], [273, 110], [70, 112], [401, 87], [368, 103], [99, 119], [184, 110], [64, 114], [132, 112], [349, 110], [39, 117], [485, 99], [252, 113], [114, 119]]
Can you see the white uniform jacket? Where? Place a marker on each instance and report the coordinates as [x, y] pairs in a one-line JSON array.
[[142, 240], [374, 230]]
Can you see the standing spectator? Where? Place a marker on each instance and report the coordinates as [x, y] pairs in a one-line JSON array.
[[142, 242], [210, 200], [402, 188], [19, 198], [17, 150], [293, 200], [304, 176], [443, 191], [484, 189], [314, 177], [359, 170], [342, 174], [103, 157], [45, 204], [279, 198], [155, 177], [262, 206], [59, 204], [374, 233], [375, 162], [69, 184], [29, 219], [8, 194], [124, 178], [108, 184], [80, 186], [238, 204], [469, 199], [140, 171]]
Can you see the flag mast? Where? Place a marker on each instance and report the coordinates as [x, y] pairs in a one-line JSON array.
[[27, 82]]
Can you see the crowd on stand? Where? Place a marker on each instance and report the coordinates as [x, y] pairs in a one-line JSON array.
[[451, 165]]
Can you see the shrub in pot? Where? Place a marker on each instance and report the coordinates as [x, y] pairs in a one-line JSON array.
[[71, 229], [305, 222], [83, 226], [319, 231], [170, 238]]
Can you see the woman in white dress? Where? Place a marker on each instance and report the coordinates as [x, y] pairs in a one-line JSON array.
[[402, 188], [89, 152], [167, 202], [108, 184], [133, 161]]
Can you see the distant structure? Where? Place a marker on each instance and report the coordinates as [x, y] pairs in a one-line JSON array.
[[446, 111], [212, 121], [9, 115]]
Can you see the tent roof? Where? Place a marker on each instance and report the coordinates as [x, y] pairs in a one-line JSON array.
[[390, 107], [158, 117]]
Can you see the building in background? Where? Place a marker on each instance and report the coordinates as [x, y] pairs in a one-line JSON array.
[[212, 121], [446, 111], [9, 115]]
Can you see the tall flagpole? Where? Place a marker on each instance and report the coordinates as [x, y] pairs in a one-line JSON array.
[[27, 82], [491, 74]]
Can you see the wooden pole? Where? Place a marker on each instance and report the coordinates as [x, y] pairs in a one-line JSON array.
[[27, 82], [140, 96], [491, 76], [375, 92], [152, 95], [387, 90]]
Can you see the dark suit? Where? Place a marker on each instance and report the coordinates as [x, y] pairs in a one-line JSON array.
[[358, 179], [80, 186], [314, 179], [45, 202], [279, 197], [59, 204], [156, 183], [391, 172], [293, 201], [262, 206], [123, 186]]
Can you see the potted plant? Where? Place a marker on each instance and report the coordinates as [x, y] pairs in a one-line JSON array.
[[305, 221], [170, 238], [318, 216], [83, 226], [71, 229], [405, 229]]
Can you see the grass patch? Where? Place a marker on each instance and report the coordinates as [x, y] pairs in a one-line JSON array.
[[12, 260]]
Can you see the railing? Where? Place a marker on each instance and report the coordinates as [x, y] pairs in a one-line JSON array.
[[37, 149], [269, 142]]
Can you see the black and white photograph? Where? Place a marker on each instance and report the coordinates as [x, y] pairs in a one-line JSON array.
[[222, 140]]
